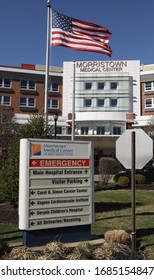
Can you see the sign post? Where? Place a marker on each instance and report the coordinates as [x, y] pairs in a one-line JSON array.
[[130, 152], [55, 190], [133, 160]]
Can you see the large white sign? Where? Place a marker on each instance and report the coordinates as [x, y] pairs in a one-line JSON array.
[[55, 184]]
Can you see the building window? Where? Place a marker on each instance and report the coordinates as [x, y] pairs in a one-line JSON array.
[[5, 100], [84, 130], [53, 104], [149, 103], [113, 85], [88, 86], [27, 85], [87, 102], [100, 86], [5, 83], [100, 130], [54, 87], [149, 86], [113, 102], [100, 102], [27, 102], [59, 130], [117, 130]]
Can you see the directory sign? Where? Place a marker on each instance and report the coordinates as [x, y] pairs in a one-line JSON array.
[[55, 184]]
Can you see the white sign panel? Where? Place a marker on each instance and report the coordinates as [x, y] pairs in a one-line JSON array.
[[143, 148], [55, 184]]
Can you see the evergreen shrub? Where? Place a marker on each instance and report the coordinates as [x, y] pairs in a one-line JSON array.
[[124, 181], [116, 178], [140, 179]]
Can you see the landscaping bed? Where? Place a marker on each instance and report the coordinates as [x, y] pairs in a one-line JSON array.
[[8, 214], [115, 246]]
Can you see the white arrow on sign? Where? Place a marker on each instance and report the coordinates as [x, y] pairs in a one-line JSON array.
[[34, 162], [143, 148]]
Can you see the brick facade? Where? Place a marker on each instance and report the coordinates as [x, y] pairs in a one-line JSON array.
[[28, 73]]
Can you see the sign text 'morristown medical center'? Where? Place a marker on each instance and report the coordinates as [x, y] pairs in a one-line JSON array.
[[101, 66]]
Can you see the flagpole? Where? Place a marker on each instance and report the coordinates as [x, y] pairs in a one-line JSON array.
[[47, 63], [73, 102]]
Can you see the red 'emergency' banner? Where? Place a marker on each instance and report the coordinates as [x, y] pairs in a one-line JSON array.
[[59, 163]]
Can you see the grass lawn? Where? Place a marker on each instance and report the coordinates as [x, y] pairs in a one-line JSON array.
[[112, 211], [10, 233]]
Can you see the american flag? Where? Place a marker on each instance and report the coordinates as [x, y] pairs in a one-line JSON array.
[[79, 35]]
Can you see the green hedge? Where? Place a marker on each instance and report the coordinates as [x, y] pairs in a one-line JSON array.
[[140, 179], [124, 181]]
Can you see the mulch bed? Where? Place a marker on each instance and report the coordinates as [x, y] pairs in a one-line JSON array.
[[8, 214]]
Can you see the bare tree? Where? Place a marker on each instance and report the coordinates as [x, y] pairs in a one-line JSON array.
[[149, 129], [108, 167]]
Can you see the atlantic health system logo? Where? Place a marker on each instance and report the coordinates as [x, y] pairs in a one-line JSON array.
[[36, 150]]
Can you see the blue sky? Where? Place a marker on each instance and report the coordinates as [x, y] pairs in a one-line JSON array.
[[23, 30]]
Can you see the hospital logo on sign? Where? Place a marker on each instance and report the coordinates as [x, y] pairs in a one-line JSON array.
[[36, 150]]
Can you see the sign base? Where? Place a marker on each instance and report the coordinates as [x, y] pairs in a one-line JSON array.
[[65, 234]]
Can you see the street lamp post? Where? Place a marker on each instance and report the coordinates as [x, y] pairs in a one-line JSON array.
[[55, 117]]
